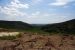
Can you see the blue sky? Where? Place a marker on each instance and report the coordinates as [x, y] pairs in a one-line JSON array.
[[37, 11]]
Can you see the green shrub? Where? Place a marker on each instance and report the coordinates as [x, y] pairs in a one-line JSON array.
[[10, 37]]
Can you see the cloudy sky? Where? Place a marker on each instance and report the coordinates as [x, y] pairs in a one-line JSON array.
[[37, 11]]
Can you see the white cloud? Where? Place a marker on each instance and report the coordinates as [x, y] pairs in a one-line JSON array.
[[33, 15], [17, 1], [34, 2], [61, 2], [36, 13], [18, 5], [42, 18], [13, 8]]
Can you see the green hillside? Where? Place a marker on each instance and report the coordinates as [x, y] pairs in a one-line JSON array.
[[18, 25], [67, 27]]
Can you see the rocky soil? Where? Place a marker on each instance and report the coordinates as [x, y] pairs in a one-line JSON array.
[[30, 41]]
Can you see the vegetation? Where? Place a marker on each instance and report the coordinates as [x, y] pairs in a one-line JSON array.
[[9, 37], [17, 25], [67, 27]]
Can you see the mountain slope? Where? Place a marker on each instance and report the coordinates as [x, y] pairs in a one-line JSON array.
[[14, 25], [64, 27]]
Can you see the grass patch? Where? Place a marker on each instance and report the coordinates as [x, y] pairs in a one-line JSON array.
[[9, 37]]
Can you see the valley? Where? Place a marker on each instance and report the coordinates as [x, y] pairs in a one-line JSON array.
[[15, 35]]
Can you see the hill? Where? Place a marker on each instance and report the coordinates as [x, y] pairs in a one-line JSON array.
[[35, 41], [67, 27], [64, 27], [14, 25]]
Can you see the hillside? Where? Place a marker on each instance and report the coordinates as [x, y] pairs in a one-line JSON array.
[[14, 25], [67, 27], [36, 41]]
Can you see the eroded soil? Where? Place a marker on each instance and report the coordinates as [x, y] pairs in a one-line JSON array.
[[30, 41]]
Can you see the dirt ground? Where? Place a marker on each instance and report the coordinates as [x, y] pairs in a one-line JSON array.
[[30, 41]]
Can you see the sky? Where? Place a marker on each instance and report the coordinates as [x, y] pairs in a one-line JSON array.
[[37, 11]]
